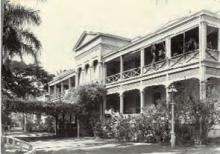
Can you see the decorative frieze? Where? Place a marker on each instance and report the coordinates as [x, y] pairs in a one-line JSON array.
[[154, 81], [213, 71], [184, 74], [130, 86], [113, 90]]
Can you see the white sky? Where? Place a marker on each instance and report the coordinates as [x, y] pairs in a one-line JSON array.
[[63, 21]]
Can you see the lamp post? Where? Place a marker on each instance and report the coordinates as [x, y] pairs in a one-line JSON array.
[[172, 90]]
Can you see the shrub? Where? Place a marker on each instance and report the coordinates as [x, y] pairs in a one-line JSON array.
[[152, 126]]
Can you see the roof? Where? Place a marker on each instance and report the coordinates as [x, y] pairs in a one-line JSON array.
[[62, 75], [167, 26], [89, 36]]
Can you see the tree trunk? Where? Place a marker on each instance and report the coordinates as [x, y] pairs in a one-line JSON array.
[[25, 122], [56, 125], [78, 126]]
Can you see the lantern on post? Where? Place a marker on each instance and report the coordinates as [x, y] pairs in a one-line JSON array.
[[171, 91]]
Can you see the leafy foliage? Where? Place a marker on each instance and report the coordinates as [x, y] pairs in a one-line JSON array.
[[194, 117], [18, 40], [87, 97], [151, 126], [22, 80]]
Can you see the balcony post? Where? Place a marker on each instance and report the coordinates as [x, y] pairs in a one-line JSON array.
[[104, 72], [202, 40], [121, 67], [142, 92], [121, 95], [168, 49], [142, 59]]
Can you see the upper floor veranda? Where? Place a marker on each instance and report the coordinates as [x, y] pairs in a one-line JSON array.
[[182, 44], [188, 43]]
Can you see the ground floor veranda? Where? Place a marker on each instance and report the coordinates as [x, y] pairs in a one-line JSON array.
[[136, 100]]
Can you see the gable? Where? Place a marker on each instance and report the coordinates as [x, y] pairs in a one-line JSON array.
[[85, 38]]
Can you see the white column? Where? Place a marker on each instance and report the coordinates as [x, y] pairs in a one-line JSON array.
[[121, 102], [121, 66], [202, 51], [91, 73], [202, 40], [69, 83], [104, 72], [167, 95], [202, 89], [168, 47], [142, 99], [77, 78], [55, 89], [62, 88], [99, 71], [142, 59]]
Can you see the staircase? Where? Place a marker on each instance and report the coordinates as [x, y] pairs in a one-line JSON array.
[[15, 146]]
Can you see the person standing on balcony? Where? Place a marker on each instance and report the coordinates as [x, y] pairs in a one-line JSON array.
[[161, 53], [191, 44]]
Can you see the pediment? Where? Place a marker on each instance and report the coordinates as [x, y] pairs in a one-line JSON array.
[[85, 38]]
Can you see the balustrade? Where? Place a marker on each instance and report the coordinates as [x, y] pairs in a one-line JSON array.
[[212, 55], [58, 96], [183, 59], [175, 61], [113, 78], [160, 65], [131, 73]]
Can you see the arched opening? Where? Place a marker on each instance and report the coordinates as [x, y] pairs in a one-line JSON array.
[[87, 72], [95, 69], [132, 102], [113, 102], [79, 75]]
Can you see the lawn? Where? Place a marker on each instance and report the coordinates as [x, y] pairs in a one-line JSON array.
[[100, 146]]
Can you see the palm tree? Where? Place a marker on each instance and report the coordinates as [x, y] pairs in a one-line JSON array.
[[18, 40]]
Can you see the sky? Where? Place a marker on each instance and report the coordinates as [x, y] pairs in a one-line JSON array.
[[63, 21]]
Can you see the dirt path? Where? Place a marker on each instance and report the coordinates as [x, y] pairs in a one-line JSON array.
[[100, 146]]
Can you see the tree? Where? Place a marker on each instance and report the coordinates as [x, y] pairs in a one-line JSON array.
[[194, 117], [18, 40], [87, 100], [22, 80]]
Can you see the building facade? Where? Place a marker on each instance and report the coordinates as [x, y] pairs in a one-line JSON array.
[[138, 72]]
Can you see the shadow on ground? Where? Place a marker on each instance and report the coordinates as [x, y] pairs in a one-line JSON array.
[[100, 146]]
